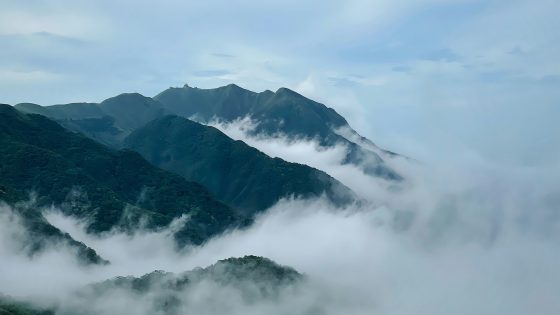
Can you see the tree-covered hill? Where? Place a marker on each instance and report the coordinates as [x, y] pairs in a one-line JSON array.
[[238, 174], [234, 172], [88, 180], [251, 279], [284, 111], [9, 306]]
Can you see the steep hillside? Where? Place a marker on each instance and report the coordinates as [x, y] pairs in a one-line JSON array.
[[88, 180], [238, 174], [283, 111], [107, 122]]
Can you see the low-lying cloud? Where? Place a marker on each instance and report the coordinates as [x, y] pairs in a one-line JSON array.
[[310, 152], [451, 239]]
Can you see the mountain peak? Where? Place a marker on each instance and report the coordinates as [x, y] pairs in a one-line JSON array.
[[8, 109], [284, 90], [255, 267], [127, 96], [234, 87]]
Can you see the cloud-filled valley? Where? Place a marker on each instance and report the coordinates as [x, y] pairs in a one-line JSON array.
[[373, 157], [449, 239]]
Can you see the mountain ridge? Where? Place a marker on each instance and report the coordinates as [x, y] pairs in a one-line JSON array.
[[282, 112], [85, 178], [238, 174], [252, 189]]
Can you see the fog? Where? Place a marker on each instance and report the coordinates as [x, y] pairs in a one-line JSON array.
[[463, 237], [310, 152]]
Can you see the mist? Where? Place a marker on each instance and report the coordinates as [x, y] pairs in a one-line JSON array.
[[467, 224], [461, 237], [310, 152]]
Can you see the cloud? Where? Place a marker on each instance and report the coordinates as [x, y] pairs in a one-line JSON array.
[[343, 82], [32, 18], [308, 151], [11, 76], [454, 240], [401, 68], [211, 73], [455, 237], [474, 230], [222, 55]]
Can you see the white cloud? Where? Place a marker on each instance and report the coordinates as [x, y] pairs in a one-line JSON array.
[[480, 243], [515, 37], [30, 18], [12, 76], [309, 152]]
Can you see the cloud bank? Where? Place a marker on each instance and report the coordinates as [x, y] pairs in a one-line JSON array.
[[475, 239]]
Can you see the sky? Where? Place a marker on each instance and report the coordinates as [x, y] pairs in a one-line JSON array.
[[466, 80]]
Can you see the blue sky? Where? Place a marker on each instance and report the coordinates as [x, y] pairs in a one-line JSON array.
[[467, 79]]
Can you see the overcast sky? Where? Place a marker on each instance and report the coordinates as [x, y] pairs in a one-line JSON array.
[[467, 79]]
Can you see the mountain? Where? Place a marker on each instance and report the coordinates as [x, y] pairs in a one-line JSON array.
[[234, 172], [230, 282], [282, 112], [285, 112], [9, 306], [248, 282], [259, 271], [37, 235], [240, 175], [109, 188], [107, 122], [299, 115]]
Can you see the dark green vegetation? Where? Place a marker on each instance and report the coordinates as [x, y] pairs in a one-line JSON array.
[[88, 180], [107, 122], [300, 116], [231, 282], [251, 268], [231, 271], [117, 188], [101, 163], [234, 172], [252, 278], [283, 111], [11, 307], [40, 235], [240, 175]]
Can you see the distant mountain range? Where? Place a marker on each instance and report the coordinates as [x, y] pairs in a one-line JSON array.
[[152, 160], [236, 173], [133, 162], [283, 111], [109, 188]]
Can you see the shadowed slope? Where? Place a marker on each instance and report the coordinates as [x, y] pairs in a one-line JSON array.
[[91, 181], [240, 175], [282, 112]]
